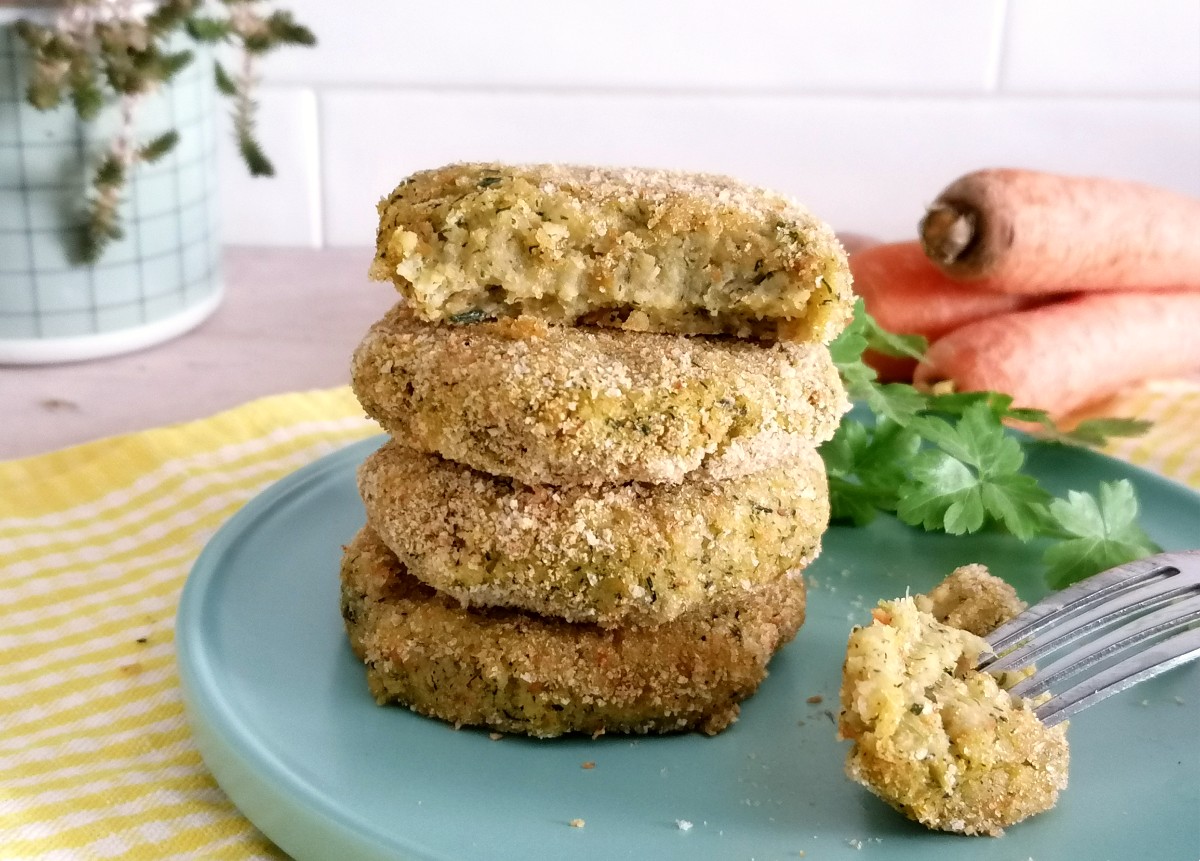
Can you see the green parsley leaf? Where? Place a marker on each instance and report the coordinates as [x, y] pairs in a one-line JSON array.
[[957, 403], [946, 462], [1092, 432], [942, 494], [866, 467], [896, 401], [1098, 533], [1098, 432], [1018, 502], [972, 475], [882, 341], [848, 347]]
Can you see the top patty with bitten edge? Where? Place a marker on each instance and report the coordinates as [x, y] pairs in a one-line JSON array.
[[643, 250]]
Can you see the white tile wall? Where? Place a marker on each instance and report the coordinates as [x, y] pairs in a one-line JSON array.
[[862, 110], [1081, 46], [808, 45], [285, 209]]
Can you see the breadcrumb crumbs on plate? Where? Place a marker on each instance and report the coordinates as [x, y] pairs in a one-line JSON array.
[[683, 825], [815, 698], [588, 765], [577, 823]]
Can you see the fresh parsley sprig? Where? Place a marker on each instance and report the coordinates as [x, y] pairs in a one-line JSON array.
[[945, 462]]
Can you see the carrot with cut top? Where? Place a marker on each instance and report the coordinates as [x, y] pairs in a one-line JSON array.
[[1036, 233], [908, 295], [1065, 355]]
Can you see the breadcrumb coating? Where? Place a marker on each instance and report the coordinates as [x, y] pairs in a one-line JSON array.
[[941, 742], [521, 673], [612, 555], [642, 250], [559, 405]]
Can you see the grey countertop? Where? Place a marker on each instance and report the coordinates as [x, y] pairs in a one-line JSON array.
[[289, 322]]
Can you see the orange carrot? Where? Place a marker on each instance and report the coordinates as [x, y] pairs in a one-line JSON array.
[[908, 295], [1036, 233], [890, 369], [1067, 354], [856, 242]]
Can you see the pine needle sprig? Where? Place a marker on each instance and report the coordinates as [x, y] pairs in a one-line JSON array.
[[101, 53], [256, 33]]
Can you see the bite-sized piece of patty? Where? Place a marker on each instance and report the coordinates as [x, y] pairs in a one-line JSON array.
[[972, 599], [560, 405], [612, 555], [941, 742], [644, 250], [518, 672]]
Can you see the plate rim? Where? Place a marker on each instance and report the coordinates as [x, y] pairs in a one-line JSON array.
[[229, 755], [254, 779]]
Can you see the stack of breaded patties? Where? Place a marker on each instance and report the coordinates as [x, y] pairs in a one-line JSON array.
[[604, 389]]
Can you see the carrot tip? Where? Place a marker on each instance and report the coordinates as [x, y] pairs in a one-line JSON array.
[[947, 231]]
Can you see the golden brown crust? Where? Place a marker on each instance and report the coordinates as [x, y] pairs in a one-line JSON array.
[[612, 555], [517, 672], [559, 405], [645, 250]]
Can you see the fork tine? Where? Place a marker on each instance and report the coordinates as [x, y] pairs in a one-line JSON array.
[[1149, 596], [1072, 610], [1153, 626], [1136, 668]]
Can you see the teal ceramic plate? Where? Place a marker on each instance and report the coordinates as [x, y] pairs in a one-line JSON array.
[[282, 716]]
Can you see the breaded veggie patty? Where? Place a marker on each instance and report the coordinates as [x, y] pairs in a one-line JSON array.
[[942, 743], [517, 672], [644, 250], [612, 555], [560, 405]]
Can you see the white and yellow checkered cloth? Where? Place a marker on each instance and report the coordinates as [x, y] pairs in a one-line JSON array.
[[95, 543]]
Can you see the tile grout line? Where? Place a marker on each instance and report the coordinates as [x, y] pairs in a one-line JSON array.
[[173, 96], [1000, 42], [756, 93], [35, 304], [83, 147], [316, 170]]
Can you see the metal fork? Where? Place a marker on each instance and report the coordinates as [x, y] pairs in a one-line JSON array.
[[1150, 608]]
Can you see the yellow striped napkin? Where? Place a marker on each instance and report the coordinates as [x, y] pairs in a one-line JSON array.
[[95, 543], [1172, 446]]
